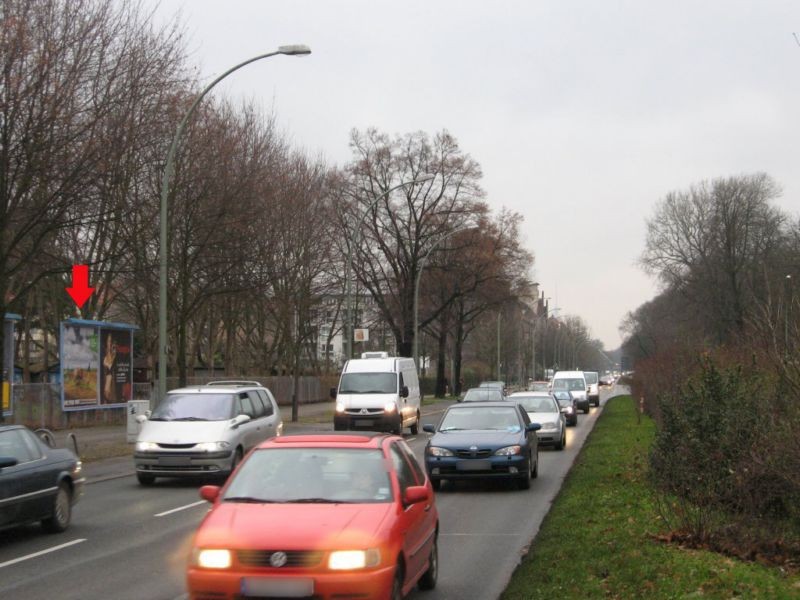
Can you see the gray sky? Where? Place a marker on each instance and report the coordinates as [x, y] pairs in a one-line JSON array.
[[582, 114]]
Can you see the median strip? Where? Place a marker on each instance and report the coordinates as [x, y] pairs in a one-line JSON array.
[[41, 553]]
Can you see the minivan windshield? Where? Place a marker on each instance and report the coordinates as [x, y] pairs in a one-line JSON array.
[[569, 385], [368, 383], [194, 407]]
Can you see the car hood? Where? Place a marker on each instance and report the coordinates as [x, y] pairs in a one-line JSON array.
[[293, 526], [184, 432], [366, 400], [482, 439], [541, 417]]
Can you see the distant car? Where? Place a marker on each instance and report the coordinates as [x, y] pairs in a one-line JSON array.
[[494, 384], [593, 384], [574, 383], [542, 408], [205, 430], [569, 407], [606, 381], [483, 440], [37, 483], [539, 386], [483, 394], [340, 515]]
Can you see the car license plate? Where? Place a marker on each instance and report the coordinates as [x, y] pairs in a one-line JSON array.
[[474, 465], [266, 587], [365, 422], [174, 461]]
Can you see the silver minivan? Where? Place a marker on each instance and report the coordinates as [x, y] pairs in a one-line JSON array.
[[204, 430]]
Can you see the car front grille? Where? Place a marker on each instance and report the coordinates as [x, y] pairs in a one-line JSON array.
[[176, 446], [473, 453], [294, 558]]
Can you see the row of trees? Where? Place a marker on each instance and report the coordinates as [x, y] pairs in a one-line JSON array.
[[716, 359], [92, 93]]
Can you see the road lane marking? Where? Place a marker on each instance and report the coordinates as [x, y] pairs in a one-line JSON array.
[[411, 439], [41, 553], [174, 510]]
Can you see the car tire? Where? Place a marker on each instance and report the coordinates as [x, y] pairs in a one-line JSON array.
[[436, 484], [237, 458], [59, 520], [415, 426], [559, 445], [524, 482], [397, 583], [398, 429], [145, 479], [428, 579], [535, 472]]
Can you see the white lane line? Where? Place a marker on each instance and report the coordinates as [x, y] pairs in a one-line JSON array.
[[174, 510], [411, 439], [41, 553], [435, 412]]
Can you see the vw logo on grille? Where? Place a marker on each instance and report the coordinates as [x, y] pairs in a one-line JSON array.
[[364, 411], [278, 559], [473, 448]]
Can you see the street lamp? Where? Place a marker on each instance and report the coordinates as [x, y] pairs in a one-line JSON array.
[[348, 329], [291, 50], [421, 266]]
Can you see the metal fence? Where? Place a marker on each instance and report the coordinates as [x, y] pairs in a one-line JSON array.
[[39, 404]]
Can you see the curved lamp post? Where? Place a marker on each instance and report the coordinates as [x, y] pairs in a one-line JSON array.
[[293, 50], [416, 289], [348, 328]]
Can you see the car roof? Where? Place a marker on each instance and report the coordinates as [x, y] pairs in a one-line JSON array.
[[484, 403], [9, 427], [537, 393], [341, 439], [217, 387]]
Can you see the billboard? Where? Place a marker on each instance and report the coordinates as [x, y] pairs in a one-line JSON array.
[[96, 364]]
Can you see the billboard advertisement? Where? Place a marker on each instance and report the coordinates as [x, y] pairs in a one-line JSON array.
[[116, 369], [79, 365]]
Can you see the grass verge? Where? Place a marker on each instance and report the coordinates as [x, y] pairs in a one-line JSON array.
[[597, 540]]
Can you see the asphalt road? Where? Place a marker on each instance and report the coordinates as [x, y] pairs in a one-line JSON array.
[[129, 542]]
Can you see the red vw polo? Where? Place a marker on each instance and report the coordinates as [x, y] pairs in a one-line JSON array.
[[318, 517]]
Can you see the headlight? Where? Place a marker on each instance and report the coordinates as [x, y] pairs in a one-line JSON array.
[[548, 425], [212, 446], [436, 451], [209, 558], [76, 470], [569, 410], [389, 407], [508, 451], [354, 559], [146, 446], [340, 407]]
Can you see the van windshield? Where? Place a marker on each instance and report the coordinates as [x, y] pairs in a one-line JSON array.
[[368, 383], [194, 407], [569, 385], [590, 377]]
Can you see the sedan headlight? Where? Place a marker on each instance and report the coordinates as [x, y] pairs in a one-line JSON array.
[[548, 425], [343, 560], [568, 410], [436, 451], [213, 446], [146, 447], [213, 558], [508, 451]]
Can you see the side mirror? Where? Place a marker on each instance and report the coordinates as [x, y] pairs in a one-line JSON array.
[[7, 461], [404, 392], [533, 427], [333, 392], [239, 420], [141, 418], [415, 494], [429, 428], [210, 493]]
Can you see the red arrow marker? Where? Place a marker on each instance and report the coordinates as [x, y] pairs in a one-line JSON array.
[[80, 290]]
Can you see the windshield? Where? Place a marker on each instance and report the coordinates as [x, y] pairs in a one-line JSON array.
[[313, 475], [368, 383], [539, 386], [487, 418], [482, 395], [590, 377], [194, 407], [569, 385], [537, 404]]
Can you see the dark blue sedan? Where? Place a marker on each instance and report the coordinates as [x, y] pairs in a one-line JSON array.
[[482, 440]]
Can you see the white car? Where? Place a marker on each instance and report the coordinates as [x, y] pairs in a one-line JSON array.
[[542, 408], [204, 430]]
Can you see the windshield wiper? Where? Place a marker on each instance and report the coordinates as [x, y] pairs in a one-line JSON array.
[[318, 501], [251, 500], [190, 419]]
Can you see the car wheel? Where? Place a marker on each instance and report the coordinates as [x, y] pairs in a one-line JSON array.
[[397, 583], [436, 484], [559, 445], [524, 482], [415, 426], [145, 479], [398, 430], [428, 579], [535, 472], [237, 458], [62, 510]]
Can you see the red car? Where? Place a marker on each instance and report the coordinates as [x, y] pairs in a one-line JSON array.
[[318, 516]]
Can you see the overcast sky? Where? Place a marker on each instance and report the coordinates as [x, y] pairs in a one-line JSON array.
[[582, 114]]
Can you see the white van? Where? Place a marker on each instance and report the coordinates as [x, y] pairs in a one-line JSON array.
[[379, 393], [573, 382]]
